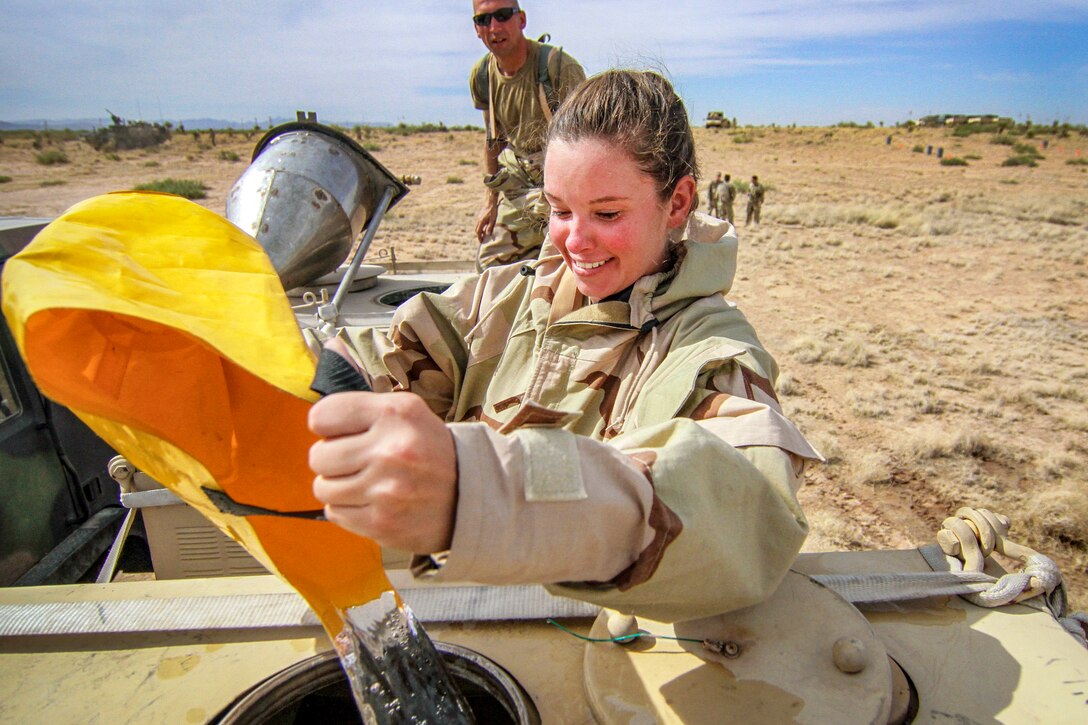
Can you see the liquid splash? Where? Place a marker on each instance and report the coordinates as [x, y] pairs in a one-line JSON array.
[[396, 674]]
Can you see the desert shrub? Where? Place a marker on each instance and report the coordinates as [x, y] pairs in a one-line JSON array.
[[970, 129], [927, 403], [937, 225], [918, 148], [1077, 162], [53, 182], [371, 146], [228, 156], [868, 405], [1061, 513], [742, 138], [409, 129], [829, 531], [113, 157], [454, 180], [122, 134], [1020, 161], [787, 385], [4, 178], [931, 443], [850, 352], [465, 162], [51, 157], [1026, 149], [150, 164], [187, 188], [881, 218], [1002, 140], [889, 216], [1065, 212], [833, 452], [953, 161]]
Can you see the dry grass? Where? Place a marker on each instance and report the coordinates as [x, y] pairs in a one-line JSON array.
[[931, 322]]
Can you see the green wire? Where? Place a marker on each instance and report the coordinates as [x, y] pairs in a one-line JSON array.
[[622, 637]]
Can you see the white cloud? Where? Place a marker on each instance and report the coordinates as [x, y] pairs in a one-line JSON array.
[[369, 60]]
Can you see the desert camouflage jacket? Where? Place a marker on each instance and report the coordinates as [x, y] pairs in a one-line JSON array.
[[629, 453]]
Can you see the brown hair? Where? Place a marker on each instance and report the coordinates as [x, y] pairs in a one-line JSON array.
[[640, 112]]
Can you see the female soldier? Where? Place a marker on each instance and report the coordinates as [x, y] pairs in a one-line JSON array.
[[601, 420]]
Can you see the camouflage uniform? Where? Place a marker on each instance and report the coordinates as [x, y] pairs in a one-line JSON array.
[[755, 203], [520, 121], [713, 198], [727, 196], [628, 453]]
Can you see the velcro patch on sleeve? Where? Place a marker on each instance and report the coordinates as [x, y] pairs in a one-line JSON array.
[[552, 468]]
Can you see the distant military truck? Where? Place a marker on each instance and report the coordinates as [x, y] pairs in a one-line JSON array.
[[716, 119]]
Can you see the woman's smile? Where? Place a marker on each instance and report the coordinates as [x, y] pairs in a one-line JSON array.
[[608, 218]]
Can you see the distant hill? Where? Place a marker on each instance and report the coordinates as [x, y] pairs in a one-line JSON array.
[[88, 124]]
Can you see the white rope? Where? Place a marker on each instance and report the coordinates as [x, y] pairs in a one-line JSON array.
[[1010, 587], [964, 542], [973, 534], [1077, 625]]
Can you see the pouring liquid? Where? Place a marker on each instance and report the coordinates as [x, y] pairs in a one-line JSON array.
[[396, 675]]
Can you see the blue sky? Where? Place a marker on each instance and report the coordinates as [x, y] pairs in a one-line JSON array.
[[810, 62]]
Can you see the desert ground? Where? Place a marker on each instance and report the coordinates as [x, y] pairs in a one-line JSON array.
[[930, 321]]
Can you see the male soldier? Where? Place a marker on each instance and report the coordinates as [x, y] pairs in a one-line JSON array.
[[726, 197], [755, 201], [518, 85], [713, 197]]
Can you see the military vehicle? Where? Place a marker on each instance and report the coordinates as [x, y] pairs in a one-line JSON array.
[[969, 629], [716, 119]]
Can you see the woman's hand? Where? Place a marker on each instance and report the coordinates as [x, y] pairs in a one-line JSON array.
[[386, 469]]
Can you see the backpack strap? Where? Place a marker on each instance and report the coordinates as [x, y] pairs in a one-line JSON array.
[[549, 99], [482, 83]]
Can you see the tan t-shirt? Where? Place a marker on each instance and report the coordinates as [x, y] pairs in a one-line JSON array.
[[518, 116]]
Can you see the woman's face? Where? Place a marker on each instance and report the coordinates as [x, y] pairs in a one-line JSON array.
[[607, 218]]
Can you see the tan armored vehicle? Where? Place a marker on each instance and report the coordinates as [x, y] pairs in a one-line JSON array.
[[716, 119], [970, 629]]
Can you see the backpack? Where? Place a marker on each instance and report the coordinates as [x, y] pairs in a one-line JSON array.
[[545, 86]]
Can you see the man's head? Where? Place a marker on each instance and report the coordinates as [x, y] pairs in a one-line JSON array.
[[718, 177], [500, 24], [727, 177]]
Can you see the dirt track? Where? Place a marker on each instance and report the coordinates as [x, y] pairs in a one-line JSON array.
[[931, 322]]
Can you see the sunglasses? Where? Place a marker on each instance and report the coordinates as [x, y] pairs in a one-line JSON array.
[[502, 15]]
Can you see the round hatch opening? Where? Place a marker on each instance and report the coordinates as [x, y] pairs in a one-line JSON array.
[[399, 297], [316, 691]]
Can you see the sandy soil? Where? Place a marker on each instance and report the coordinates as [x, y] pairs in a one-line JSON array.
[[931, 322]]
